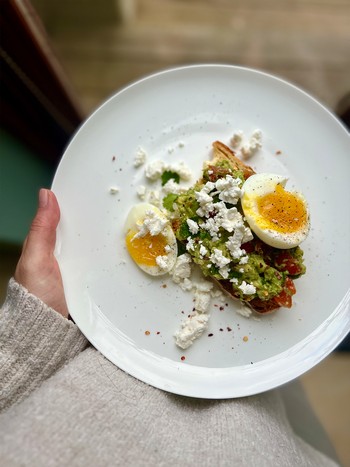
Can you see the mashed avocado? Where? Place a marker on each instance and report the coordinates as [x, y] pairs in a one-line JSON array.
[[208, 221]]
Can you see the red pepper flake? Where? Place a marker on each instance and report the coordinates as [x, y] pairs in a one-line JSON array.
[[229, 329], [221, 308], [183, 358], [147, 333], [158, 332], [210, 335]]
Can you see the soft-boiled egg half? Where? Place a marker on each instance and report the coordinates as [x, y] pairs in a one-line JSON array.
[[150, 239], [278, 217]]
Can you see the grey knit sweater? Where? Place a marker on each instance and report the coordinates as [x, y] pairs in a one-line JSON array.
[[63, 404]]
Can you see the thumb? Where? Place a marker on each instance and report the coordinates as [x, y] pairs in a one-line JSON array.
[[41, 238]]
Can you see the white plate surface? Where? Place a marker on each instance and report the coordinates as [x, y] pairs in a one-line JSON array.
[[114, 303]]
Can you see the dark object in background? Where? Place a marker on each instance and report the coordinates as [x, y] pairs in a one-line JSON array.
[[345, 345], [343, 110], [37, 104]]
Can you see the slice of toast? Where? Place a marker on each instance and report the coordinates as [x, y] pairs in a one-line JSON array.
[[221, 152]]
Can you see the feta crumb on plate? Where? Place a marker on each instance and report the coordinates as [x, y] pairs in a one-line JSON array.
[[140, 157], [192, 328], [254, 144]]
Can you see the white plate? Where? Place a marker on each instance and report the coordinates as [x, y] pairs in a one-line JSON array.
[[114, 303]]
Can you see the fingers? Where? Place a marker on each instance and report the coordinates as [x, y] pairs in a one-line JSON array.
[[37, 269], [42, 234]]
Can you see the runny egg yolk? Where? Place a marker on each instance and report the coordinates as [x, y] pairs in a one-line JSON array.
[[144, 250], [282, 211]]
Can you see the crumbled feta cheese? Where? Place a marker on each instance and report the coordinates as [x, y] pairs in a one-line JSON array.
[[172, 187], [113, 190], [218, 258], [154, 170], [234, 246], [140, 157], [212, 227], [193, 226], [181, 169], [247, 289], [203, 198], [201, 300], [182, 269], [224, 272], [186, 285], [242, 234], [152, 223], [153, 197], [237, 138], [229, 188], [228, 219], [204, 286], [244, 311], [192, 328], [202, 250], [243, 260], [190, 244], [141, 192], [162, 262], [255, 143], [150, 196], [217, 293]]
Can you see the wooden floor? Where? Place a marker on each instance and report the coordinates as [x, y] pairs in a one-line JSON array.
[[106, 44], [304, 41]]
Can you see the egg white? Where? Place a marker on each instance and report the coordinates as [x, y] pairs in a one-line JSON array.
[[254, 188], [134, 223]]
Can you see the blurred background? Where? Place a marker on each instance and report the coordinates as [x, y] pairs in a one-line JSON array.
[[60, 59]]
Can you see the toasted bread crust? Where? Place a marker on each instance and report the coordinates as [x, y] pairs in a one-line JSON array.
[[222, 152]]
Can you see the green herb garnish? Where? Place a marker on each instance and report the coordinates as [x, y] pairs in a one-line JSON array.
[[168, 175]]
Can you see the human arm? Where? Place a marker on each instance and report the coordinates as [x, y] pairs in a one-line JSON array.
[[36, 338]]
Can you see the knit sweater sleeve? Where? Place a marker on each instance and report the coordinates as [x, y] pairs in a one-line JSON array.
[[35, 342]]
